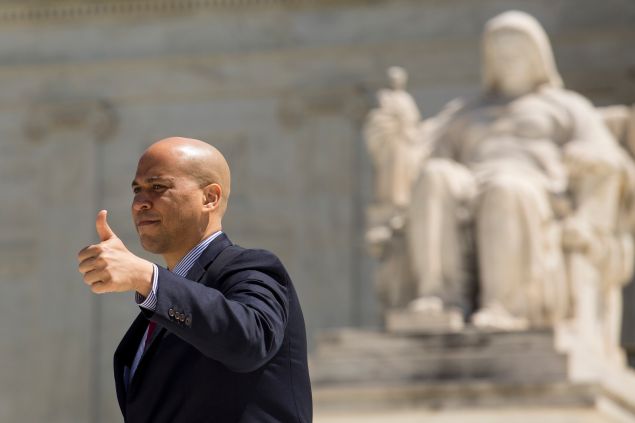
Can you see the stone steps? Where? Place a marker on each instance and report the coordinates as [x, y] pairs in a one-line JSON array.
[[363, 369], [359, 357], [480, 415], [451, 395]]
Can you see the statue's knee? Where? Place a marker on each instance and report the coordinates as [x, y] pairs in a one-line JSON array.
[[501, 196], [438, 167], [436, 172], [507, 187], [442, 177]]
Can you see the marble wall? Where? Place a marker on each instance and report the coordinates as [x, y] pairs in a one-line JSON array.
[[280, 86]]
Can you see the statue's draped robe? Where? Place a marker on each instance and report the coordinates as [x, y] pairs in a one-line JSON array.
[[497, 189]]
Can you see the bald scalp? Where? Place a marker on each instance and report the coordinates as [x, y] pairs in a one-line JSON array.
[[194, 158]]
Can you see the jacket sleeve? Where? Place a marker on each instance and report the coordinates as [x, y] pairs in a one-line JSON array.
[[239, 320]]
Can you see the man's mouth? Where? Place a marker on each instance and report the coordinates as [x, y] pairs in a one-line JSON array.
[[147, 222]]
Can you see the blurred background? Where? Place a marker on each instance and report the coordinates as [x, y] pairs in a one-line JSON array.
[[281, 87]]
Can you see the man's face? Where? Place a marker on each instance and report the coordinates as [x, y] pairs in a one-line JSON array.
[[167, 209]]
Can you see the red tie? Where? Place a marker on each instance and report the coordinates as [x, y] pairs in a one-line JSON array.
[[151, 327]]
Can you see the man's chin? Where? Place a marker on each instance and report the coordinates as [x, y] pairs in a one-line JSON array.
[[151, 245]]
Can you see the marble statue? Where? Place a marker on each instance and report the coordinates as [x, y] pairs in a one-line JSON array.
[[532, 173], [394, 140], [524, 194], [620, 120]]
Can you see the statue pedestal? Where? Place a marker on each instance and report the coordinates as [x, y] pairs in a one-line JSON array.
[[357, 369], [424, 322]]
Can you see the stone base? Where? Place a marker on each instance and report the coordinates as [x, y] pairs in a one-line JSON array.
[[348, 356], [359, 369], [450, 395], [423, 321], [372, 370]]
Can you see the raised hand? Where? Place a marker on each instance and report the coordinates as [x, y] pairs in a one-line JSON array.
[[110, 267]]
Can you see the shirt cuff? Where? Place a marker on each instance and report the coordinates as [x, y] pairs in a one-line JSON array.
[[150, 302]]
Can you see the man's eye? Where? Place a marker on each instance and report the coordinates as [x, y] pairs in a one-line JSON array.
[[136, 190], [157, 187]]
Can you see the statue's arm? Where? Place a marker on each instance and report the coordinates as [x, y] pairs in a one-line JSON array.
[[591, 147], [439, 131]]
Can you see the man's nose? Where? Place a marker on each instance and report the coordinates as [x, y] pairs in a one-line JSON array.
[[141, 202]]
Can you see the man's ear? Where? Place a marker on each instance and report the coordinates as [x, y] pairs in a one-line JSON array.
[[213, 195]]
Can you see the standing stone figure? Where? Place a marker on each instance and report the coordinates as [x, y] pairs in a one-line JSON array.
[[394, 142], [393, 137], [522, 181]]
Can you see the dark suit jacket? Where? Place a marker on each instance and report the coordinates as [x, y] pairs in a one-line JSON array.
[[230, 348]]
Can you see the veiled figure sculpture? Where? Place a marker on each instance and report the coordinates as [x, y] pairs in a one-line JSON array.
[[524, 193], [519, 177]]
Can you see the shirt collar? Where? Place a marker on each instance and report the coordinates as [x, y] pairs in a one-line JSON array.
[[185, 264]]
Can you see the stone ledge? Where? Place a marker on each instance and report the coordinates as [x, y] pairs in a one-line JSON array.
[[353, 339], [19, 13], [453, 395], [350, 356]]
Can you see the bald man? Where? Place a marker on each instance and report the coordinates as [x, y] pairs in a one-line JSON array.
[[220, 336]]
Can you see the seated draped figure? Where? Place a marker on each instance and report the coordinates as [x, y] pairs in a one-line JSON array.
[[517, 179]]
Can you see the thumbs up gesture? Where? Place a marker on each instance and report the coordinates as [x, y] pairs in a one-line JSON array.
[[103, 230], [110, 267]]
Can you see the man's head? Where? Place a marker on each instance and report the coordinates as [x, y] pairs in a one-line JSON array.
[[181, 190]]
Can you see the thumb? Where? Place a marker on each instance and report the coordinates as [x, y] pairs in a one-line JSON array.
[[103, 230]]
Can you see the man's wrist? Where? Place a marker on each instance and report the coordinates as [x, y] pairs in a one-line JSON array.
[[149, 301], [145, 280]]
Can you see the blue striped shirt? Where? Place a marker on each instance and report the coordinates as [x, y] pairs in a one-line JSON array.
[[150, 302]]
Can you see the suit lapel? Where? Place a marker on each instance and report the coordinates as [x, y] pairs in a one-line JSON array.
[[207, 257]]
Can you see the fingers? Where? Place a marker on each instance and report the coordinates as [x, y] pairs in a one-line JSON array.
[[89, 252], [92, 263], [101, 288], [99, 282], [98, 288], [103, 229], [95, 276], [94, 280]]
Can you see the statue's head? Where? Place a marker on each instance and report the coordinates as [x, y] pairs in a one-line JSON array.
[[397, 77], [517, 55]]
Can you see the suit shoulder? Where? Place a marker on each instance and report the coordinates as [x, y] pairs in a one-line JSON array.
[[260, 260], [252, 255]]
